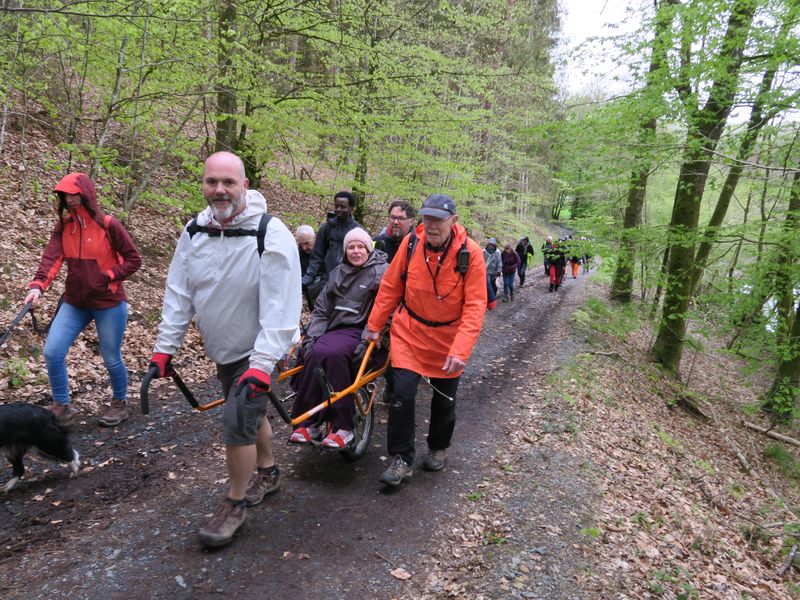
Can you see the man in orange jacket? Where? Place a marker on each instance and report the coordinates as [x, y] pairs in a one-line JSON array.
[[436, 288]]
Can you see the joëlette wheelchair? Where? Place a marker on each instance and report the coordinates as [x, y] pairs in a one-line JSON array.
[[363, 388]]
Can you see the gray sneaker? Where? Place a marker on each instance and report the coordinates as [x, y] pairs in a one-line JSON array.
[[220, 529], [115, 414], [397, 472], [435, 460], [65, 414], [263, 482]]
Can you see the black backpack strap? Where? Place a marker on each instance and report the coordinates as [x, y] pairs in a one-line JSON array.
[[193, 228], [412, 244], [262, 232]]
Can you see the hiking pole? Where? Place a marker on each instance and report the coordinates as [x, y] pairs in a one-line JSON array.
[[16, 321]]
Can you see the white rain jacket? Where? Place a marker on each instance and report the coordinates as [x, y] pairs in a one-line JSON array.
[[245, 306]]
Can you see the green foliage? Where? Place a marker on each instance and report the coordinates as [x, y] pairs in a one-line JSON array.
[[669, 441], [786, 463], [597, 316], [706, 466], [591, 532], [492, 537], [677, 580], [16, 372], [741, 249], [393, 99]]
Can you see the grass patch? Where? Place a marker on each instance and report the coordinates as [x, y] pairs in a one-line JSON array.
[[787, 463], [598, 317]]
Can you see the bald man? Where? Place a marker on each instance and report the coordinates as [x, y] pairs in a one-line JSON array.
[[243, 287]]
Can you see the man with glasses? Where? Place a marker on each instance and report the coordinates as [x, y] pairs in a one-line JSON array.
[[401, 219], [437, 295]]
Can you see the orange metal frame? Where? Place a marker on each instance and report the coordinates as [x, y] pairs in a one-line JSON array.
[[361, 380]]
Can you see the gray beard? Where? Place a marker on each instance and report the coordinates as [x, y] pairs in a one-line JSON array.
[[222, 215]]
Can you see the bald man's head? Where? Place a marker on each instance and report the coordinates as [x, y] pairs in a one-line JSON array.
[[225, 185]]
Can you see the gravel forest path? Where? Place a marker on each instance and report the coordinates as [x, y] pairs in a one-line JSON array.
[[126, 526]]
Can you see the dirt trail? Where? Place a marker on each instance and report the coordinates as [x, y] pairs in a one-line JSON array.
[[126, 527]]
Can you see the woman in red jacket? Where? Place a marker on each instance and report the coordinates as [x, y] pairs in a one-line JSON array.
[[100, 254]]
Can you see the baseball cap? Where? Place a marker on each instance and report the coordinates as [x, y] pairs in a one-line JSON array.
[[439, 206]]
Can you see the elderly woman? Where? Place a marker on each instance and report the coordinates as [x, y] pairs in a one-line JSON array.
[[335, 331]]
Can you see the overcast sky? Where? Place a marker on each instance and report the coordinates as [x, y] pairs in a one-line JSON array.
[[583, 19]]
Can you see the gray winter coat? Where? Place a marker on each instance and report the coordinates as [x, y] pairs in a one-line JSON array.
[[494, 262], [348, 296]]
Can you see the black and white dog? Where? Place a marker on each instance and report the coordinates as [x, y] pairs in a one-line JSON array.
[[24, 426]]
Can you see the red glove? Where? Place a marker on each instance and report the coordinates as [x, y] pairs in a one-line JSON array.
[[256, 380], [163, 362]]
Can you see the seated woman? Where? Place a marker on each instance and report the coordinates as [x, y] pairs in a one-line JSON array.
[[335, 331]]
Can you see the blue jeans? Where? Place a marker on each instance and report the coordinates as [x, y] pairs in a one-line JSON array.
[[508, 283], [67, 326]]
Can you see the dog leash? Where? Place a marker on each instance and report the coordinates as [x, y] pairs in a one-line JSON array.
[[16, 321], [28, 308]]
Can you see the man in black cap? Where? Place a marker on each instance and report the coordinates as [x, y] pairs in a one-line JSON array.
[[437, 293]]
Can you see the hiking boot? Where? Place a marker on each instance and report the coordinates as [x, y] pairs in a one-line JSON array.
[[397, 472], [115, 414], [264, 481], [435, 460], [228, 518], [65, 414]]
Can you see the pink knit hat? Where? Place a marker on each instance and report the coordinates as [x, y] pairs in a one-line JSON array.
[[357, 234]]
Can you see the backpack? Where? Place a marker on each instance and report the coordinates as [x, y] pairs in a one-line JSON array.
[[193, 228]]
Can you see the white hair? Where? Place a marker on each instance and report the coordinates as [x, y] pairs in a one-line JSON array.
[[304, 230]]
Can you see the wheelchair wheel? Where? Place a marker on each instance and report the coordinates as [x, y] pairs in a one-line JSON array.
[[362, 432]]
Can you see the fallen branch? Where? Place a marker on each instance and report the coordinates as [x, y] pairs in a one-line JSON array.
[[788, 562], [692, 406], [599, 353], [743, 461], [381, 556], [771, 434], [528, 439]]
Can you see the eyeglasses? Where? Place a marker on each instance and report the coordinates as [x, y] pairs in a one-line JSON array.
[[398, 219]]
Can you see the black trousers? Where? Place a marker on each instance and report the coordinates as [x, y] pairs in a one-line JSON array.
[[401, 429]]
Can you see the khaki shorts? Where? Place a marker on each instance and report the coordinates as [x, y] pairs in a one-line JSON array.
[[254, 408]]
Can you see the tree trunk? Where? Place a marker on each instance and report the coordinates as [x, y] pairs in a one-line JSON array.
[[705, 129], [756, 122], [360, 179], [226, 137], [782, 395], [622, 285]]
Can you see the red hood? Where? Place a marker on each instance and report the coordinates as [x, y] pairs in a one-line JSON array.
[[80, 183]]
